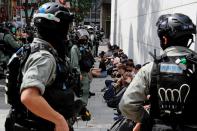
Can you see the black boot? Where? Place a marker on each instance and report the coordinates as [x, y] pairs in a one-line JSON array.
[[91, 94]]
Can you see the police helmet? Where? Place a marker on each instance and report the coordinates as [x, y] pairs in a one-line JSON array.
[[175, 26], [52, 16], [82, 34], [9, 26], [91, 31]]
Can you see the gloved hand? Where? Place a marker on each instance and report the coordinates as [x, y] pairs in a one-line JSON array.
[[85, 114]]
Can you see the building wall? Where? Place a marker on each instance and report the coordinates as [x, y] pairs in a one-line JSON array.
[[93, 17], [105, 18], [133, 24]]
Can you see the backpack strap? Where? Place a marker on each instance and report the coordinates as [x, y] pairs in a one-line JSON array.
[[154, 110], [154, 85], [43, 46]]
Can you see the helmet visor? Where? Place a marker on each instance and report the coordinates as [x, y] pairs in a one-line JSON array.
[[47, 16]]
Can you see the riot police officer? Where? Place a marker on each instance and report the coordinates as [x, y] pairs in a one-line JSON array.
[[8, 43], [44, 92], [82, 59], [169, 81]]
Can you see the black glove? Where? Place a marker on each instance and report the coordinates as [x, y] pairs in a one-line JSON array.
[[85, 114]]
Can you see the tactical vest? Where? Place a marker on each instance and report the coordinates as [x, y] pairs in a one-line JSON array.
[[173, 89], [59, 95], [87, 60]]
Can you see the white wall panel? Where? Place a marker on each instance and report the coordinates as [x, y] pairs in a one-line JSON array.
[[133, 24]]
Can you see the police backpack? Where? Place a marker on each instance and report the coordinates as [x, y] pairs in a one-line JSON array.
[[173, 89], [87, 60]]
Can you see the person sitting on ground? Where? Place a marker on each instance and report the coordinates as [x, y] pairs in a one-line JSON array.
[[120, 52], [100, 72], [137, 68], [130, 68], [109, 53], [115, 60], [128, 62], [125, 78], [123, 58]]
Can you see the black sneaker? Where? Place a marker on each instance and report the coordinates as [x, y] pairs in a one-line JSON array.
[[91, 94]]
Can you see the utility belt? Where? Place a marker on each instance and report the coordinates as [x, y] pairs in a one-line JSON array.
[[167, 122], [19, 127], [160, 125], [17, 121], [20, 121], [35, 127]]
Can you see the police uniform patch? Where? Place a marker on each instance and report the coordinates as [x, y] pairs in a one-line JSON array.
[[170, 68]]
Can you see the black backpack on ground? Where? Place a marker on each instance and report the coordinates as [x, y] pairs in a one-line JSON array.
[[115, 100], [109, 93]]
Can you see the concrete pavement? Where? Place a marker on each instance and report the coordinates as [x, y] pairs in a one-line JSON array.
[[4, 108], [102, 116]]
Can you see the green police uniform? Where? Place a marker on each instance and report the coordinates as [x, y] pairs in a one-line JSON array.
[[86, 86], [75, 58], [10, 42], [9, 38]]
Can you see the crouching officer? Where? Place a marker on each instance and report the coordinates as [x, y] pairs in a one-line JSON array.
[[170, 81], [42, 99]]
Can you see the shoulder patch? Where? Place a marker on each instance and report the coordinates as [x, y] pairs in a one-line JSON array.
[[170, 68]]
